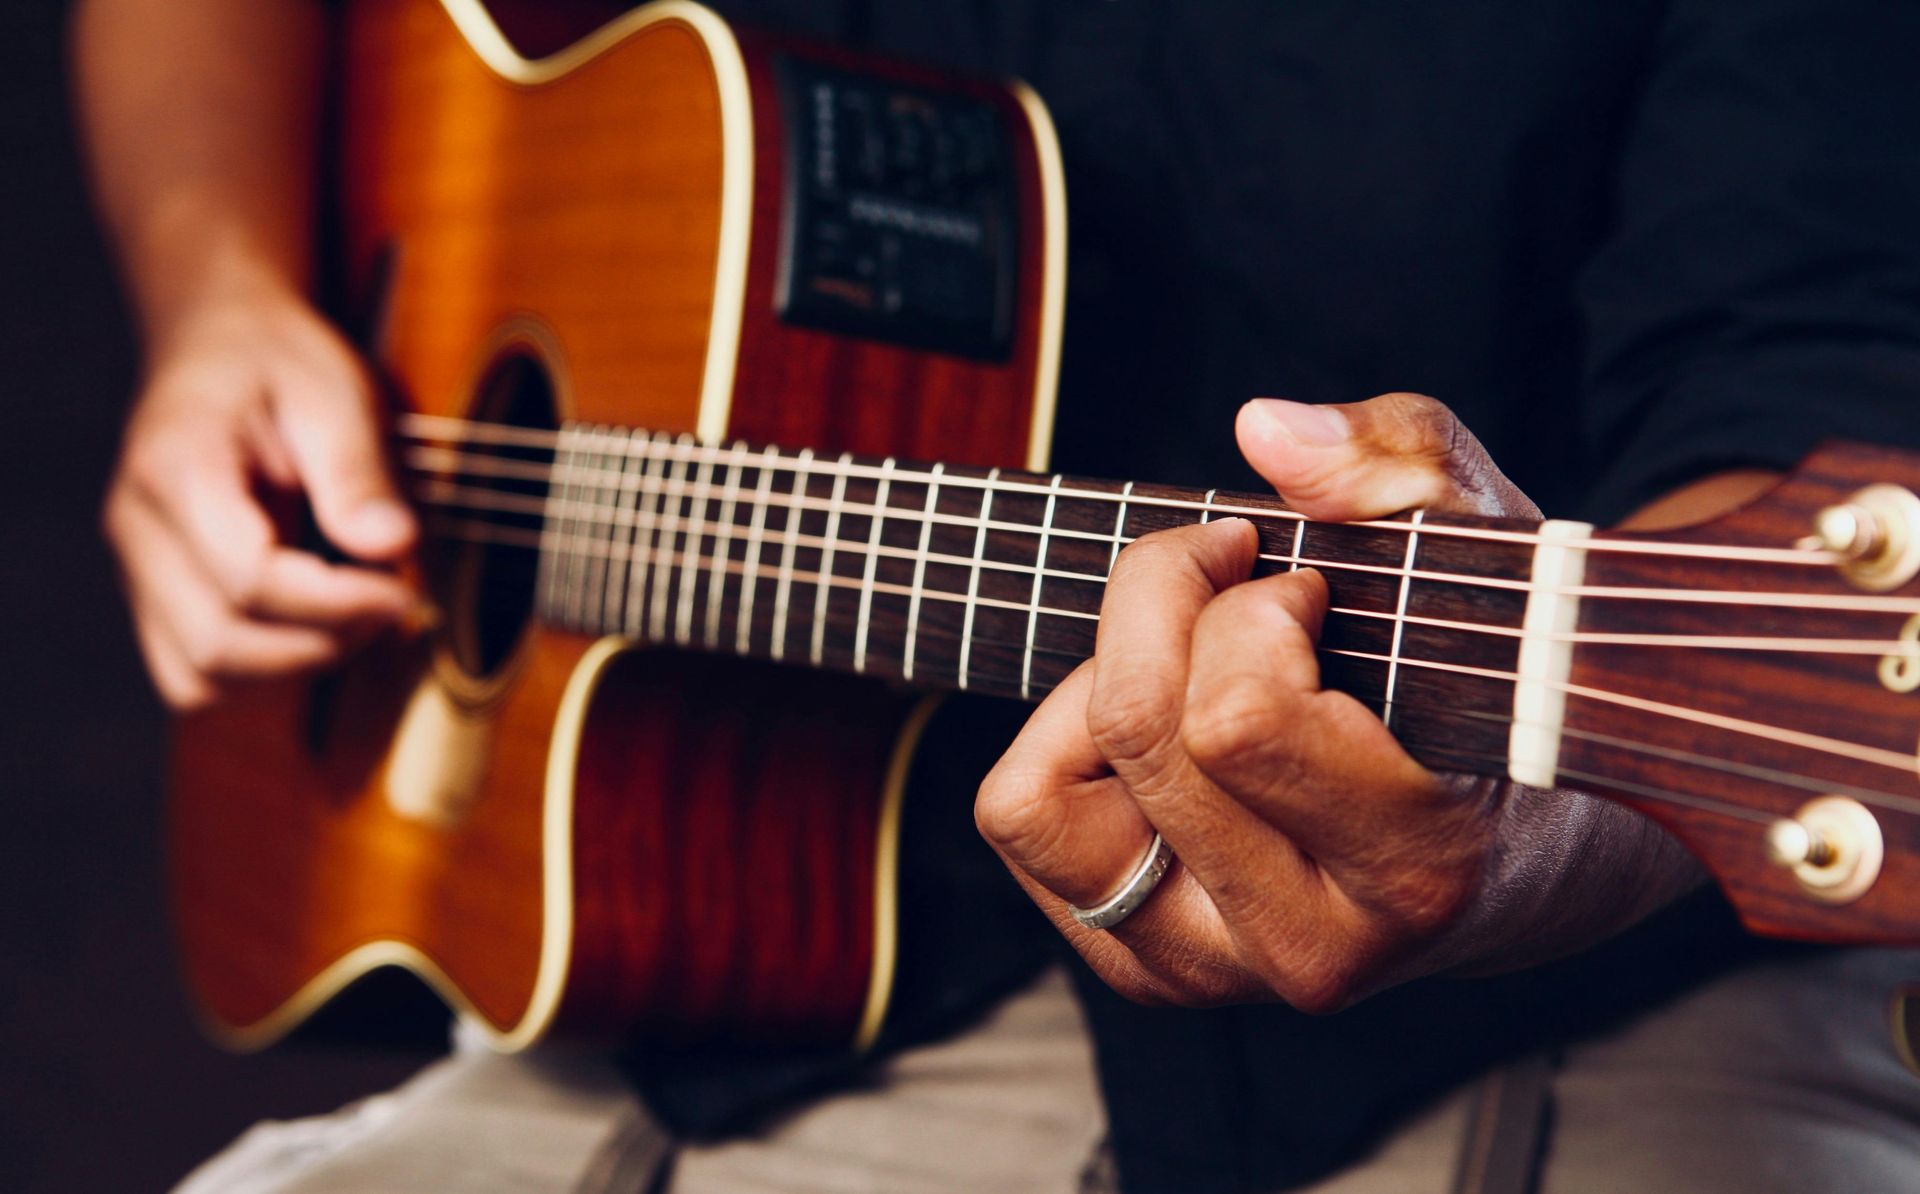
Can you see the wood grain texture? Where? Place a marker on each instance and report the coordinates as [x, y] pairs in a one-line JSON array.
[[724, 822], [1749, 778]]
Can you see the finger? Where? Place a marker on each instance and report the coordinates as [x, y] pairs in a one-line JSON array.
[[232, 538], [174, 597], [1070, 833], [327, 425], [1054, 810], [1315, 765], [183, 689], [1374, 458], [1157, 588]]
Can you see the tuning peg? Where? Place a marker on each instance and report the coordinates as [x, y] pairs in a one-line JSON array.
[[1833, 847], [1875, 534]]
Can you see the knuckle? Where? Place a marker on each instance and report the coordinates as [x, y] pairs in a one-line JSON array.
[[1423, 426], [1225, 724], [1320, 984], [1015, 812], [1424, 901], [1136, 722]]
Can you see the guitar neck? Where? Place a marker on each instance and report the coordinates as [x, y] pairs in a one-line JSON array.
[[991, 581]]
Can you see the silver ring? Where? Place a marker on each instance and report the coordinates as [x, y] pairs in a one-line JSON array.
[[1133, 893]]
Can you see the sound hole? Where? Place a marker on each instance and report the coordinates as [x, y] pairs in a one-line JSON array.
[[483, 567]]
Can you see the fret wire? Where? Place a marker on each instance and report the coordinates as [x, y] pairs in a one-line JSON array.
[[1206, 505], [756, 533], [1120, 527], [973, 579], [836, 505], [1856, 751], [1033, 601], [1400, 622], [683, 622], [920, 571], [1299, 538], [594, 599], [613, 599], [784, 587], [879, 520], [584, 588], [670, 523], [723, 547], [1797, 556], [647, 524], [550, 525], [576, 565]]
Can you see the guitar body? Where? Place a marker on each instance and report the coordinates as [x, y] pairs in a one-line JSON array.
[[566, 834]]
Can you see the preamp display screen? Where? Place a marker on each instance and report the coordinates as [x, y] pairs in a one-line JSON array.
[[900, 213]]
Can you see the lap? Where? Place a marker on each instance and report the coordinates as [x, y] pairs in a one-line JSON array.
[[1778, 1077]]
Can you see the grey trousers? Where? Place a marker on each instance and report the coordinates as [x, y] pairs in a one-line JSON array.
[[1777, 1078]]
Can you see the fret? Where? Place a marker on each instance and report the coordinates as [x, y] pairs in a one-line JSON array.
[[553, 559], [973, 579], [619, 561], [695, 567], [873, 562], [920, 571], [1399, 619], [836, 507], [1039, 580], [645, 526], [756, 534], [601, 526], [671, 520], [1002, 595], [723, 545], [785, 584], [1539, 696]]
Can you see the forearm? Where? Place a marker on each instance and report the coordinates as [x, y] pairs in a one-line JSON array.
[[200, 119]]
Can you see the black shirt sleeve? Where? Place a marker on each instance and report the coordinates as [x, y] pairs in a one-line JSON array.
[[1762, 288]]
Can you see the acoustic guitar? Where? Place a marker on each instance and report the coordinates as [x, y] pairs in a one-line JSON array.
[[724, 376]]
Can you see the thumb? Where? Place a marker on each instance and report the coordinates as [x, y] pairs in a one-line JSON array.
[[333, 437], [1370, 459]]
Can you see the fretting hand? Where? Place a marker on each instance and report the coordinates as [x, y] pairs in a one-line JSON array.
[[1317, 862]]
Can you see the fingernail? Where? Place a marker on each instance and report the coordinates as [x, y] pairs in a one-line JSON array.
[[1314, 426]]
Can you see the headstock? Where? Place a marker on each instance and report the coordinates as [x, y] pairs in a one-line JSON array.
[[1753, 684]]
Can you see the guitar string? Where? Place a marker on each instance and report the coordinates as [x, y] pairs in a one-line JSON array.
[[1855, 751], [446, 495], [1857, 603], [1886, 800], [738, 454]]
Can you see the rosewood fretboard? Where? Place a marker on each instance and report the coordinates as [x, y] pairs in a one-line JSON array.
[[962, 578]]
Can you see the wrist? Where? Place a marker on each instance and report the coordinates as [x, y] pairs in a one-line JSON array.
[[197, 267]]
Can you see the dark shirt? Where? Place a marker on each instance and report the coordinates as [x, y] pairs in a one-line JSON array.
[[1628, 241]]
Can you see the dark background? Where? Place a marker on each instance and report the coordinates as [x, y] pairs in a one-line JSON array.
[[105, 1082]]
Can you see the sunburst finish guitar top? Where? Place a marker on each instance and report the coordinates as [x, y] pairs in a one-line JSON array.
[[597, 238]]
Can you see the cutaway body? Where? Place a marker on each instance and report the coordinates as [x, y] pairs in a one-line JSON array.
[[564, 832]]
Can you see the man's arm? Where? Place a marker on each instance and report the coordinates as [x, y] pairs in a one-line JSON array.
[[200, 118]]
